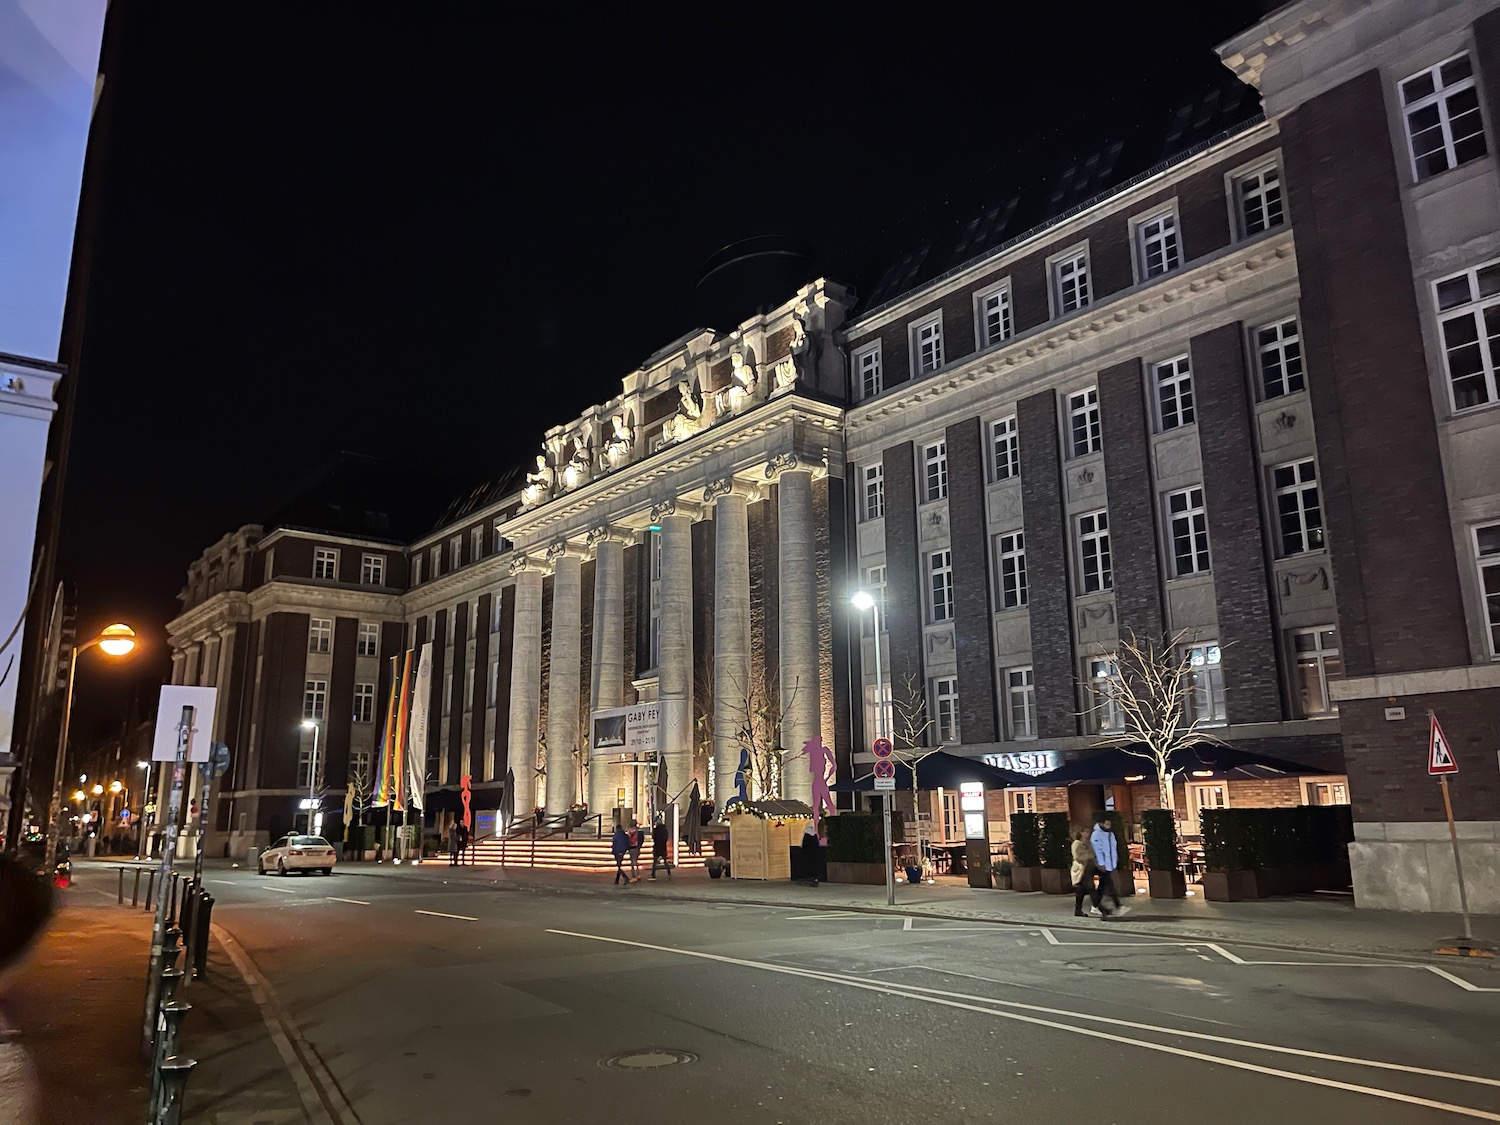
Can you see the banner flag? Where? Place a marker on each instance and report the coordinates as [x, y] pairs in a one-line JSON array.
[[416, 759], [380, 796], [398, 743]]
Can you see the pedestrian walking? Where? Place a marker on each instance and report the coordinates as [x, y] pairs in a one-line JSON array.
[[1106, 862], [1082, 871], [659, 838], [619, 847], [463, 843], [637, 841], [455, 843]]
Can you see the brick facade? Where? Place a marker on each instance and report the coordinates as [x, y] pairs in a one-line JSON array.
[[973, 636], [1134, 540], [903, 580]]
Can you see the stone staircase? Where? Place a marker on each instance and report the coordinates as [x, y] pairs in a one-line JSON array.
[[557, 853]]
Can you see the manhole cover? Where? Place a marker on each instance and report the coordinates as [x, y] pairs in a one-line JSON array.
[[648, 1058]]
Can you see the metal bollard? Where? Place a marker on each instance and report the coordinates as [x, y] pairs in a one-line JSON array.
[[120, 890], [150, 888], [172, 901], [203, 916], [170, 978], [168, 1028], [171, 946], [135, 892], [185, 924], [174, 1075]]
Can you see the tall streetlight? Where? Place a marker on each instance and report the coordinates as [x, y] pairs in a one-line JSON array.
[[312, 774], [113, 640], [864, 600]]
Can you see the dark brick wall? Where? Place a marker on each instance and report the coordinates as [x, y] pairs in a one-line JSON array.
[[546, 661], [1236, 531], [703, 629], [842, 624], [852, 632], [903, 579], [436, 704], [1384, 501], [636, 608], [1047, 567], [586, 578], [1319, 751], [973, 637], [284, 675], [1133, 529], [828, 606], [764, 527], [504, 639], [247, 753], [479, 676], [1388, 778], [340, 703], [641, 586]]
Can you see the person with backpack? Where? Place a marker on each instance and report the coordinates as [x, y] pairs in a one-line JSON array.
[[619, 847]]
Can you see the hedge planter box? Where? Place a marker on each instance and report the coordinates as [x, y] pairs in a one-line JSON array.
[[872, 874], [1167, 884], [1026, 878], [1002, 882], [1055, 882], [1229, 886]]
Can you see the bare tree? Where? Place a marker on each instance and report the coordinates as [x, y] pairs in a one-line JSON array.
[[911, 729], [759, 715], [1149, 704], [359, 777], [581, 754]]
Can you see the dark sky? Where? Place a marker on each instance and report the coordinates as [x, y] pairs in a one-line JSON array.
[[429, 231]]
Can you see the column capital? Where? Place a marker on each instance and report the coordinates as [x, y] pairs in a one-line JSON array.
[[607, 533], [784, 463], [675, 506], [520, 564], [730, 485], [560, 549]]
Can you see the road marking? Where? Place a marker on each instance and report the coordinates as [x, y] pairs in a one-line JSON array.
[[470, 918], [972, 1004], [355, 901], [1465, 985], [822, 914], [906, 925], [281, 890]]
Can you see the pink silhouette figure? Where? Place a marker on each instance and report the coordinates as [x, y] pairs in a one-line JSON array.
[[820, 763]]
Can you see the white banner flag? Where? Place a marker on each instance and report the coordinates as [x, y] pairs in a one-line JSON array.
[[416, 743]]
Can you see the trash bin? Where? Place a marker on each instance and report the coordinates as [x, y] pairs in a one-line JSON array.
[[252, 858]]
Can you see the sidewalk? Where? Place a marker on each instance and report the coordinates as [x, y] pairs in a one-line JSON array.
[[1327, 924], [76, 1004]]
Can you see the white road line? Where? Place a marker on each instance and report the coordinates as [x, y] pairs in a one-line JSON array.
[[968, 1003], [470, 918], [906, 925], [1053, 939], [355, 901], [1465, 985], [822, 914], [281, 890]]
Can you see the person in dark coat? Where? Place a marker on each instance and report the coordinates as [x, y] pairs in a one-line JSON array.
[[637, 841], [455, 843], [619, 847], [463, 841], [659, 838]]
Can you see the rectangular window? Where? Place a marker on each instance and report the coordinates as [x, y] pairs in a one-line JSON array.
[[867, 371], [1020, 702], [1020, 800], [369, 639], [1317, 656], [953, 819], [1156, 244], [1469, 315], [1010, 564], [874, 585], [498, 541], [476, 544], [1174, 393], [992, 315], [1299, 517], [934, 471], [1071, 283], [927, 345], [1278, 351], [1084, 435], [1487, 557], [1005, 441], [495, 607], [1258, 198], [882, 723], [455, 553], [326, 563], [314, 699], [874, 492], [468, 693], [305, 779], [436, 560], [372, 570], [319, 634], [940, 584], [945, 708], [1187, 521], [1093, 551], [1204, 683], [493, 696], [1104, 693], [1441, 109], [416, 570], [364, 703]]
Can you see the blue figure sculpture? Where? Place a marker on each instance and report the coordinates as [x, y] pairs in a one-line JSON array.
[[741, 777]]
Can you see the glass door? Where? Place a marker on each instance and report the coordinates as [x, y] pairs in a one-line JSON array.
[[1211, 796]]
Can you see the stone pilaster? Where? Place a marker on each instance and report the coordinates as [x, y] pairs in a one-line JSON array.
[[607, 672], [801, 682], [675, 666], [564, 682], [732, 674], [525, 682]]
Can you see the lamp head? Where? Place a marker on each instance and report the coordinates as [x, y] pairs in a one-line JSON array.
[[98, 789], [115, 787], [117, 639], [309, 724], [861, 599]]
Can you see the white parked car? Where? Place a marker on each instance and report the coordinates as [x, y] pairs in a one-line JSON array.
[[298, 853]]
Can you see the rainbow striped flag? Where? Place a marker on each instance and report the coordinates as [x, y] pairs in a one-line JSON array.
[[398, 779], [387, 776]]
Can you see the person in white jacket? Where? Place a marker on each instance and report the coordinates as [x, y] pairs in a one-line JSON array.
[[1106, 861]]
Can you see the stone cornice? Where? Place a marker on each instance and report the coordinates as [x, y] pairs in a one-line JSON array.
[[1248, 53], [26, 387], [487, 575], [291, 597], [1475, 677], [229, 607]]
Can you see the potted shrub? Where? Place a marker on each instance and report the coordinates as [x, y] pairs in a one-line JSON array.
[[1002, 875], [1163, 867], [1056, 853], [856, 849], [577, 815], [1026, 849], [1229, 855]]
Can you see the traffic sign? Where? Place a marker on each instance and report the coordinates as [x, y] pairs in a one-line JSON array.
[[885, 774], [1440, 757], [881, 749]]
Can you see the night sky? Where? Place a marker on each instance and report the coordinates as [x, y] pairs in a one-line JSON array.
[[430, 231]]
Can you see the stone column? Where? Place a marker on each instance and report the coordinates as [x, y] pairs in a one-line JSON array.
[[732, 683], [801, 683], [675, 665], [563, 680], [607, 670], [525, 682]]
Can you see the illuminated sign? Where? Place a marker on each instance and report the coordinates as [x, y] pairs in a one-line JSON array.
[[1033, 762]]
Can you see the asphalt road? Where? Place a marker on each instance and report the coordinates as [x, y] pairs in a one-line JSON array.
[[430, 1002]]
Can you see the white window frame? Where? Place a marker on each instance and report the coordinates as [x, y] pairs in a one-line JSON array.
[[1186, 517], [372, 570], [320, 635], [492, 694], [1472, 311], [326, 564], [1020, 703], [416, 569], [1204, 684], [1274, 341], [1010, 570], [368, 639], [869, 373], [872, 492], [498, 541], [1297, 492], [926, 336], [435, 556], [496, 606], [1005, 449], [1093, 545], [1172, 393], [877, 724], [1487, 563], [934, 472], [1167, 238], [1337, 788], [456, 552], [940, 586], [1442, 94], [1316, 657], [1019, 800], [1083, 406], [476, 543], [1064, 270], [1249, 186], [993, 306], [364, 703], [315, 700], [875, 585], [1105, 712], [945, 719]]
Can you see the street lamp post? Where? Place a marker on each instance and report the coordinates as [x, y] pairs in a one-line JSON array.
[[862, 599], [140, 845], [113, 640], [312, 774]]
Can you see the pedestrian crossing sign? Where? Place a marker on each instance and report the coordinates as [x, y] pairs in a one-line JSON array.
[[1440, 757]]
